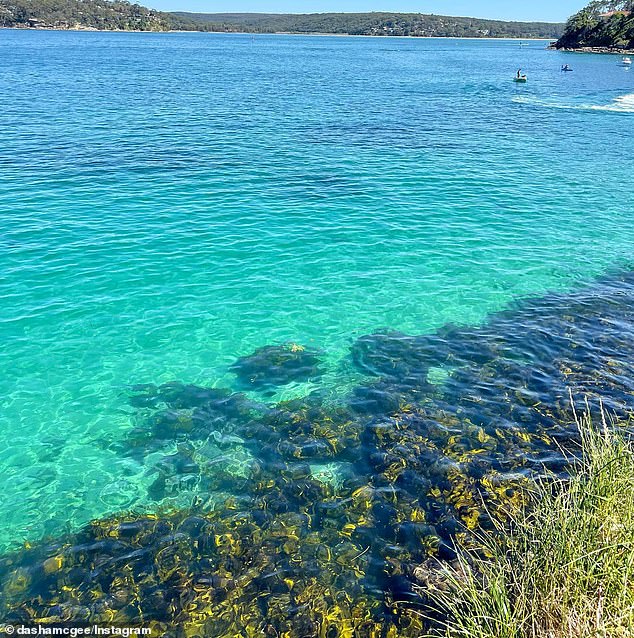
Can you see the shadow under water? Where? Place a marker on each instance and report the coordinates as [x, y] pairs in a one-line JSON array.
[[341, 511]]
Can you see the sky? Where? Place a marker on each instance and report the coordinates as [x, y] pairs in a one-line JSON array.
[[542, 10]]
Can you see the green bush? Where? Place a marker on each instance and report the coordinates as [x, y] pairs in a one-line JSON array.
[[565, 569]]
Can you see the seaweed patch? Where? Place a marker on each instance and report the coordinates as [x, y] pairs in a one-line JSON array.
[[272, 366], [315, 517]]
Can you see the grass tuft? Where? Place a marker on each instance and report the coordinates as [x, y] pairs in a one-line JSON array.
[[565, 569]]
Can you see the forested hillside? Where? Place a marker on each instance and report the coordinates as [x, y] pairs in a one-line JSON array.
[[87, 14], [414, 24], [602, 24], [121, 15]]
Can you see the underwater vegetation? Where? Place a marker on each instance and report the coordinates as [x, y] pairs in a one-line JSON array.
[[326, 518], [272, 366]]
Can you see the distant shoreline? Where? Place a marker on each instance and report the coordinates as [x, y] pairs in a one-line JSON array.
[[293, 33], [389, 37]]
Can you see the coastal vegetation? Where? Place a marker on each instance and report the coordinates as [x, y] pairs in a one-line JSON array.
[[120, 15], [566, 568], [107, 15], [600, 25], [399, 24]]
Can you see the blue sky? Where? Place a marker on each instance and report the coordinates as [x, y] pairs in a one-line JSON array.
[[549, 10]]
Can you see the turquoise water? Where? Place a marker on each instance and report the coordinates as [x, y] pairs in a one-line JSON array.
[[171, 202]]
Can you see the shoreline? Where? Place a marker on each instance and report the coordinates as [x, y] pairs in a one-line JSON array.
[[292, 33]]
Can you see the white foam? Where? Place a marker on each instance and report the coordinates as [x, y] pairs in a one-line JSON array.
[[621, 104]]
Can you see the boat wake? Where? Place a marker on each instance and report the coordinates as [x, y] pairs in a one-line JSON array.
[[623, 103], [620, 104]]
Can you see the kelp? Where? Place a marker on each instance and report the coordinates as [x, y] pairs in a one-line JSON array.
[[339, 513], [272, 366]]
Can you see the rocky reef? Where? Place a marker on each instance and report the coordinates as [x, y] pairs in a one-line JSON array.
[[272, 366], [341, 511]]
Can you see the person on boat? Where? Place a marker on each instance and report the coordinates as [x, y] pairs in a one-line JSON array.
[[519, 73]]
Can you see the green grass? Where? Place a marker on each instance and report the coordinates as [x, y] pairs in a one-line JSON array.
[[566, 567]]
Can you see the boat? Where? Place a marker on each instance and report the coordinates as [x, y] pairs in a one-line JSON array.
[[521, 78], [566, 68], [626, 62]]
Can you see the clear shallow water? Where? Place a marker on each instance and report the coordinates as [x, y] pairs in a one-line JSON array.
[[173, 201]]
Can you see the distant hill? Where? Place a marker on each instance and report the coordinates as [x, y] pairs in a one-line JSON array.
[[603, 24], [414, 24], [121, 15], [86, 14]]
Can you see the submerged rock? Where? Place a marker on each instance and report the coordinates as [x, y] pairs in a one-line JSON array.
[[215, 574], [272, 366], [184, 396], [390, 354]]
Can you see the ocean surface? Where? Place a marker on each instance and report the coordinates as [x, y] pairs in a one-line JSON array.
[[172, 202]]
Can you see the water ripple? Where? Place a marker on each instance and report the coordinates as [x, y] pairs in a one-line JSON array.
[[180, 200]]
